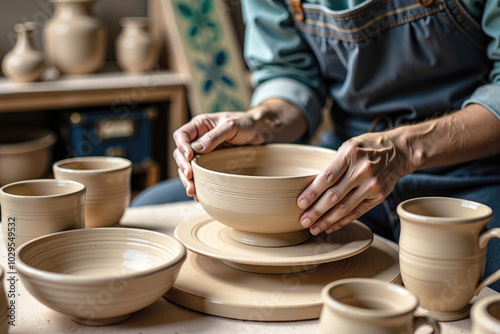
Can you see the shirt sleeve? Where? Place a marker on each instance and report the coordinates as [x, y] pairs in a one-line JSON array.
[[488, 94], [282, 64]]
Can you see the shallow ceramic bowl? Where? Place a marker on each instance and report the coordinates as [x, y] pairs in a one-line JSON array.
[[254, 189], [108, 186], [100, 276], [25, 153]]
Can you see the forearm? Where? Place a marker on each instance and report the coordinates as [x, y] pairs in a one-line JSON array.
[[278, 121], [468, 134]]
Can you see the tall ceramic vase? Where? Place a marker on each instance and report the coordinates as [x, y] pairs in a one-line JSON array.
[[24, 63], [75, 40], [136, 50]]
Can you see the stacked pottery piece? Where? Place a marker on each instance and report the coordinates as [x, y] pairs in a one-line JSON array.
[[255, 259]]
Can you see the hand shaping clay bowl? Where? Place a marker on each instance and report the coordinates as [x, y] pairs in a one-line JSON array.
[[254, 189], [100, 276], [25, 153]]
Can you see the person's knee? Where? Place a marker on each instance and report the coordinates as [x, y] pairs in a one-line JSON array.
[[168, 191]]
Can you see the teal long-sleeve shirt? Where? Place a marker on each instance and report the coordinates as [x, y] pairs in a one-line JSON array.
[[283, 66]]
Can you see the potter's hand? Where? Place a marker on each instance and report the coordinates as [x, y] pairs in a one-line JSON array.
[[274, 120], [206, 132], [362, 173]]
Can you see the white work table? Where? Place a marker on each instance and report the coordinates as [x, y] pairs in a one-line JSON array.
[[164, 316]]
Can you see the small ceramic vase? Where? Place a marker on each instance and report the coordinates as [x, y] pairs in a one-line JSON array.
[[24, 63], [135, 48], [75, 40]]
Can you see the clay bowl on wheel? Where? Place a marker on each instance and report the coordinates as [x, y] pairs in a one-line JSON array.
[[254, 189], [100, 276]]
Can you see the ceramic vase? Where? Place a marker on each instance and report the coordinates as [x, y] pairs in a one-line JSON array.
[[75, 40], [24, 63], [136, 50]]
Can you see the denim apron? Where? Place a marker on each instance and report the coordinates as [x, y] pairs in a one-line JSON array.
[[390, 62]]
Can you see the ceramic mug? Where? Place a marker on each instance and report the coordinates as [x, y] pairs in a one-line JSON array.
[[363, 305], [108, 186], [485, 315], [38, 207], [442, 253]]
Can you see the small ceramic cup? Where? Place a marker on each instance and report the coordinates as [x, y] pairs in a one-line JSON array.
[[363, 305], [34, 208], [485, 315], [442, 251], [108, 186]]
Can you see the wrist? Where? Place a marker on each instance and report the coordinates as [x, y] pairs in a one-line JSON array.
[[411, 154], [278, 121]]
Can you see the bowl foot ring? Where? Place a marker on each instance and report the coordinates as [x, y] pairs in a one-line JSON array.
[[101, 321]]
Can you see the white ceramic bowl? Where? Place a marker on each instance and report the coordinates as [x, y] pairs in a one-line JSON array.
[[254, 189], [100, 276], [25, 153]]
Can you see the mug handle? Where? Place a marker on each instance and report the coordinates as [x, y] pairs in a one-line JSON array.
[[421, 321], [483, 242]]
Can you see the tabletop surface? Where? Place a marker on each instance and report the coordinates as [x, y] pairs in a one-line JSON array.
[[164, 316]]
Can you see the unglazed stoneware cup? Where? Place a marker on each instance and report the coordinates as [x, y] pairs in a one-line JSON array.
[[38, 207], [485, 315], [4, 306], [100, 276], [108, 186], [362, 305], [254, 189], [442, 253]]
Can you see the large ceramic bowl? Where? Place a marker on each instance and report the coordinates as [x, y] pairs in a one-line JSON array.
[[100, 276], [254, 189], [25, 153]]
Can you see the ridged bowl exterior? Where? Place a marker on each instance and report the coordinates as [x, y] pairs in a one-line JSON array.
[[255, 188], [94, 275]]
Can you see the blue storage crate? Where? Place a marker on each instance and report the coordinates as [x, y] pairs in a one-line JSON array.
[[107, 133]]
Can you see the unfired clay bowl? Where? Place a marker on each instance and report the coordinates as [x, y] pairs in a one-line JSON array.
[[485, 315], [254, 189], [100, 276], [108, 186], [33, 208], [25, 153]]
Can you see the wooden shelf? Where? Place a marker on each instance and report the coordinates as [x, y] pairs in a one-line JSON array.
[[113, 89]]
